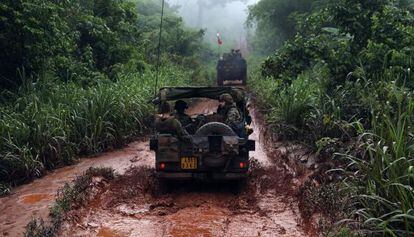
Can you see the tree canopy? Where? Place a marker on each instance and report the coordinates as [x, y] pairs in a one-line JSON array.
[[85, 41]]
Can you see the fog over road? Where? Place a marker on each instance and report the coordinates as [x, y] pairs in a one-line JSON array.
[[215, 16]]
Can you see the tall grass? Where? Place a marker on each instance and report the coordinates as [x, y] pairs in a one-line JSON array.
[[384, 179], [287, 103], [51, 123], [381, 162], [288, 107]]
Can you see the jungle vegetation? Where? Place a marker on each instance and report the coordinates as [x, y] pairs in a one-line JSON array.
[[76, 77], [340, 81]]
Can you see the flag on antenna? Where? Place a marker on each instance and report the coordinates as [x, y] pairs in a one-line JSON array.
[[219, 41]]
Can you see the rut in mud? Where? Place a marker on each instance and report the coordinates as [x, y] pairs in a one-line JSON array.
[[34, 199], [132, 205]]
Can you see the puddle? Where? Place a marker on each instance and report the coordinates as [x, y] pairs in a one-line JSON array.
[[199, 221], [20, 207], [107, 232], [36, 198]]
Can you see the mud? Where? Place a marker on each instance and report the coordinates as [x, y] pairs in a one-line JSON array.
[[34, 199], [132, 204], [189, 209]]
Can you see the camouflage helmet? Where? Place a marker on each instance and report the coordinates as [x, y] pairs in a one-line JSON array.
[[180, 105], [227, 98]]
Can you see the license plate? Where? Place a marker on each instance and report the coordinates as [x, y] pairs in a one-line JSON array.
[[188, 163]]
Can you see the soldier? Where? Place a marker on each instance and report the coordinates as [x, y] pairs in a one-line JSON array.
[[185, 120], [180, 107], [231, 114], [166, 123]]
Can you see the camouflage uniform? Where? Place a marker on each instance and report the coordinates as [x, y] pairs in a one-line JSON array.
[[184, 119], [230, 113], [233, 117], [166, 123], [180, 115]]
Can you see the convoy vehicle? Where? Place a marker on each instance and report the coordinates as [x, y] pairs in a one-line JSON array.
[[232, 69], [212, 151]]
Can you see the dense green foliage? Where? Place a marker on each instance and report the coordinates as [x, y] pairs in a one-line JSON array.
[[51, 122], [275, 21], [76, 77], [343, 83], [85, 41]]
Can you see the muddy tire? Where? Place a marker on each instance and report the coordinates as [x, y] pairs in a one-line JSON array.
[[215, 128]]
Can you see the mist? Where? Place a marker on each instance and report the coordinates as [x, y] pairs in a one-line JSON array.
[[225, 16]]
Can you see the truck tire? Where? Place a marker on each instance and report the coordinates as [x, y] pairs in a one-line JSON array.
[[215, 128]]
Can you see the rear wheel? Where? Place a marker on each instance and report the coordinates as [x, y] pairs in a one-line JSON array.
[[215, 128], [215, 160]]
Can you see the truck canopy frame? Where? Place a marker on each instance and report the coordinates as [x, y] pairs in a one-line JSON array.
[[177, 93]]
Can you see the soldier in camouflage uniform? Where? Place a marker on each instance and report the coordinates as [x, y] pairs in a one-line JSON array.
[[165, 122], [231, 114], [180, 107]]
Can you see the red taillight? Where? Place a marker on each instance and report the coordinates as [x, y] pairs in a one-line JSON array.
[[162, 166], [242, 165]]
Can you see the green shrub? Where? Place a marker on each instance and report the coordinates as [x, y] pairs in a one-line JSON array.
[[53, 122], [295, 101], [68, 197], [384, 179], [364, 52]]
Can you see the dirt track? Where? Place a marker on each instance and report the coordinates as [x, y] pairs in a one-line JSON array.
[[129, 207]]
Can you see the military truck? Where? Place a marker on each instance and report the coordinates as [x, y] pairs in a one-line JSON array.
[[213, 151], [232, 69]]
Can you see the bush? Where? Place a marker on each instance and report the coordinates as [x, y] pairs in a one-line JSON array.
[[384, 178], [53, 122], [87, 41], [68, 197], [363, 50]]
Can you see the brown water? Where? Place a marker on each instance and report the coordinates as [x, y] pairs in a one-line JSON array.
[[187, 211]]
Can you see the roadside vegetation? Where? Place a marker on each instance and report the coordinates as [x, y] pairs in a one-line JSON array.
[[76, 77], [340, 82], [69, 197]]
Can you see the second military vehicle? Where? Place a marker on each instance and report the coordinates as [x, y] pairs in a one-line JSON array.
[[232, 69]]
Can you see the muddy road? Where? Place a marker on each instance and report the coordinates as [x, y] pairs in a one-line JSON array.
[[129, 206], [34, 199]]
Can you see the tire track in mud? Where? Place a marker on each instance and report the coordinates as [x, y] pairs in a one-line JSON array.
[[34, 199], [131, 205]]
